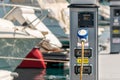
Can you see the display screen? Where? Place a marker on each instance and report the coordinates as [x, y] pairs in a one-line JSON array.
[[85, 19]]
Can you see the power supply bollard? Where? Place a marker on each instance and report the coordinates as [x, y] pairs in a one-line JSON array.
[[114, 26], [83, 40]]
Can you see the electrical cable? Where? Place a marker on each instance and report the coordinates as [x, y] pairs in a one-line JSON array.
[[82, 60]]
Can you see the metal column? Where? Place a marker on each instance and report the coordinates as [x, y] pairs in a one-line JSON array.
[[84, 17], [115, 26]]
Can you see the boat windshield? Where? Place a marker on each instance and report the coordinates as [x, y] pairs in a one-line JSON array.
[[4, 9], [8, 5]]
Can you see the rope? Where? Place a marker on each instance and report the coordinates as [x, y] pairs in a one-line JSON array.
[[82, 60], [31, 59]]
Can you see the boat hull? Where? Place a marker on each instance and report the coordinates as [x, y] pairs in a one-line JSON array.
[[13, 48]]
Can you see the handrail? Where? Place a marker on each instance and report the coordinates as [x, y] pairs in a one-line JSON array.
[[9, 12]]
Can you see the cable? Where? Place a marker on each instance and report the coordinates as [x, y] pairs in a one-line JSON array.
[[82, 61], [31, 59]]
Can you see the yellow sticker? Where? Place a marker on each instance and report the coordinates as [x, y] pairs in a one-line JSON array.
[[85, 61], [116, 31]]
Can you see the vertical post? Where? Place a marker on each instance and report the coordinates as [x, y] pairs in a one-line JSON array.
[[83, 27], [115, 26]]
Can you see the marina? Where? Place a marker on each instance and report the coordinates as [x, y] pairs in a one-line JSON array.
[[35, 41], [19, 30]]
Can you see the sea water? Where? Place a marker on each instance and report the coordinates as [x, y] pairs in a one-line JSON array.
[[43, 74]]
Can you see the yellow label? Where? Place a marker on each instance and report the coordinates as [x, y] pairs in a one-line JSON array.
[[85, 61], [116, 31]]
